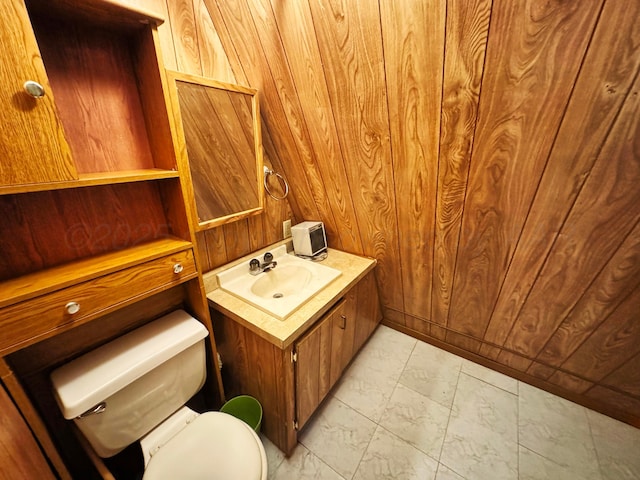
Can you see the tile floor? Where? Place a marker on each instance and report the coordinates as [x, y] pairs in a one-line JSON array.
[[407, 410]]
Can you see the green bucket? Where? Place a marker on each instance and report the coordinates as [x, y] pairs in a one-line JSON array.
[[247, 409]]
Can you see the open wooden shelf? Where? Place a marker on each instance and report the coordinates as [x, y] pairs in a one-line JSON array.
[[94, 179]]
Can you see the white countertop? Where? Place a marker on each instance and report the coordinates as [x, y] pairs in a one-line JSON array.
[[283, 333]]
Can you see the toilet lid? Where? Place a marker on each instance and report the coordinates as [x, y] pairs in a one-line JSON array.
[[214, 446]]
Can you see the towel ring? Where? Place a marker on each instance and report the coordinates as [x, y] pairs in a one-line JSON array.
[[282, 180]]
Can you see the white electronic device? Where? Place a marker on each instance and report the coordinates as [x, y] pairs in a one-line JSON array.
[[309, 239]]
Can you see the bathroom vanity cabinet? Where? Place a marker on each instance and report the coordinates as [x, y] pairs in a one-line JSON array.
[[95, 230], [292, 374]]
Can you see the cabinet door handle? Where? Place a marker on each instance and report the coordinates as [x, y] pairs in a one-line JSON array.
[[34, 89], [178, 268], [343, 323], [72, 308]]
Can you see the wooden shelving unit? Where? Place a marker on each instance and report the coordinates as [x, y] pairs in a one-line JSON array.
[[94, 221]]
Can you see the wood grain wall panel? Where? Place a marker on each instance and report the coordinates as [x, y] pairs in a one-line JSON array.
[[306, 167], [185, 36], [213, 59], [530, 94], [413, 41], [547, 41], [626, 378], [237, 31], [200, 50], [570, 382], [215, 246], [604, 81], [350, 44], [467, 28], [236, 239], [621, 406], [613, 284], [604, 214], [295, 26], [612, 344], [202, 252]]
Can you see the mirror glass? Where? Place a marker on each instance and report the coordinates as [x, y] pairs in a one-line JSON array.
[[221, 134]]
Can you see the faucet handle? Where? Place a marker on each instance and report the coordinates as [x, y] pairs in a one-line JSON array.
[[268, 257], [254, 265]]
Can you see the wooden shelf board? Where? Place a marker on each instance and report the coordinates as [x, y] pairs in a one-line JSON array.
[[45, 281], [115, 13], [92, 180]]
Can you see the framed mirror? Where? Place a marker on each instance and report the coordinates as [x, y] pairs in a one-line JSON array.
[[218, 129]]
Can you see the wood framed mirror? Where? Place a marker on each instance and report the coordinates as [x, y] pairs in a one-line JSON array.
[[219, 137]]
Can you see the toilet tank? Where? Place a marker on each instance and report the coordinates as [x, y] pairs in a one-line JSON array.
[[134, 381]]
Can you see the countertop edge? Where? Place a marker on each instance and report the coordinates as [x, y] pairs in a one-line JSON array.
[[282, 333]]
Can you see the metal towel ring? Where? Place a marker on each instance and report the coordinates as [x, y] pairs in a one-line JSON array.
[[268, 172]]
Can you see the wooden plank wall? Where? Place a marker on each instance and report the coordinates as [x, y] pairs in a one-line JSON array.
[[486, 152]]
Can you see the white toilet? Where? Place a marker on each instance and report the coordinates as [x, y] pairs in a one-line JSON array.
[[135, 388]]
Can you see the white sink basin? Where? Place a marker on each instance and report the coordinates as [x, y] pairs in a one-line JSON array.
[[281, 290]]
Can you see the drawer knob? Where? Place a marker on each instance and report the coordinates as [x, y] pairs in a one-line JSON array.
[[72, 308], [178, 268], [34, 89]]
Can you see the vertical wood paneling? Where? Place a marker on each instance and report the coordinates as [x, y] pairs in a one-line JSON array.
[[604, 295], [626, 378], [604, 214], [547, 41], [297, 34], [604, 81], [351, 48], [413, 35], [525, 95], [615, 342], [466, 38], [306, 166], [197, 49], [233, 20], [214, 61], [185, 36]]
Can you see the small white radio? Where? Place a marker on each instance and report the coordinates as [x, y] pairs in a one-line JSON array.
[[309, 238]]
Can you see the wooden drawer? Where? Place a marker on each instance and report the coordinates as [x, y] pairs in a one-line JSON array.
[[33, 320]]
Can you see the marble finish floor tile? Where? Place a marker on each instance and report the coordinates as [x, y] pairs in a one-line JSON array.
[[274, 455], [558, 430], [365, 389], [445, 473], [406, 409], [368, 383], [477, 453], [303, 465], [339, 436], [416, 419], [536, 467], [480, 403], [487, 375], [433, 373], [389, 457], [618, 447]]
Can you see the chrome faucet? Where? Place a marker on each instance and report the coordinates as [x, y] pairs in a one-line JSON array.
[[256, 267]]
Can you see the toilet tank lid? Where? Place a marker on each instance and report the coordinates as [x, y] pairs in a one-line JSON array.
[[88, 380]]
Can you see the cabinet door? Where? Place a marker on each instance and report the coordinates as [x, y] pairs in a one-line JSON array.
[[368, 313], [343, 325], [318, 363], [33, 148]]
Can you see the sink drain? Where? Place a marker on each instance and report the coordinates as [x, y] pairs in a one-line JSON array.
[[278, 295]]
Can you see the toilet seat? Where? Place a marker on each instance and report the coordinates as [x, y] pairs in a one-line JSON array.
[[214, 446]]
